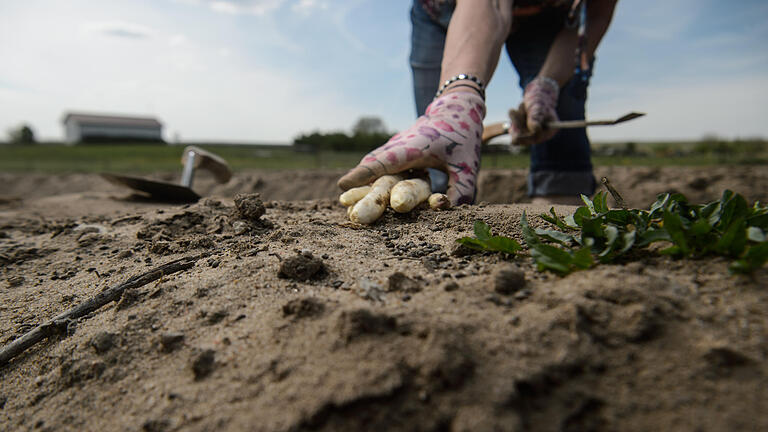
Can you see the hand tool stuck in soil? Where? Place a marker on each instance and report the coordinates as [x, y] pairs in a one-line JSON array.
[[496, 129], [192, 158]]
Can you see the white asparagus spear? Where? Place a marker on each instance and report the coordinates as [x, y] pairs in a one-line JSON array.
[[407, 194], [438, 201], [372, 206], [352, 196]]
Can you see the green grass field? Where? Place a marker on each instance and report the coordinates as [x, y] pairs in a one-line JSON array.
[[142, 158]]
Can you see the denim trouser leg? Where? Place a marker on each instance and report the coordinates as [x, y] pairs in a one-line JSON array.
[[427, 43], [562, 164]]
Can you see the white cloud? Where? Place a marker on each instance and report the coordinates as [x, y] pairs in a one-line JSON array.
[[120, 29], [305, 7], [238, 7], [177, 40]]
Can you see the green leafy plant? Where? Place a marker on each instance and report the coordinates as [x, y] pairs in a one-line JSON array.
[[727, 227], [595, 233], [485, 241]]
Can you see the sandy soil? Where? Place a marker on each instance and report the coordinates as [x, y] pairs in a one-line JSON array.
[[298, 320]]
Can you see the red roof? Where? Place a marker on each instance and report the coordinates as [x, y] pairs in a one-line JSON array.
[[95, 119]]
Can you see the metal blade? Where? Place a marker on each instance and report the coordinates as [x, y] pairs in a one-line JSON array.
[[159, 191]]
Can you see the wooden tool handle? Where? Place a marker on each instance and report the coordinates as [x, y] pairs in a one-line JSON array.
[[209, 161], [493, 130]]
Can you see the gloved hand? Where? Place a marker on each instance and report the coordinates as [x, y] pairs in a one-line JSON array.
[[539, 107], [446, 137]]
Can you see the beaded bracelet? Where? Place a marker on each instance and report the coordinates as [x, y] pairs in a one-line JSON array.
[[461, 77], [479, 91]]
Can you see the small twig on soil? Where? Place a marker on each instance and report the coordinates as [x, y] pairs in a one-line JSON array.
[[614, 193], [58, 324]]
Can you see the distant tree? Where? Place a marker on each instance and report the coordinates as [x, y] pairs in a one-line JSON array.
[[22, 135], [369, 126], [367, 134]]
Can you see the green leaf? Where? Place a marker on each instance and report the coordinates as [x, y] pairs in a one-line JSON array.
[[755, 258], [589, 204], [660, 204], [551, 258], [629, 241], [734, 239], [673, 224], [760, 221], [654, 235], [482, 230], [700, 227], [529, 235], [503, 244], [611, 235], [755, 234], [734, 207], [600, 202], [473, 243], [582, 259], [556, 236], [557, 220]]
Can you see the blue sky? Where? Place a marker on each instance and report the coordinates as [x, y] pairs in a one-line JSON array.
[[268, 70]]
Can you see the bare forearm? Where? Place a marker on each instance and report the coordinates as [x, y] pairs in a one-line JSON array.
[[475, 37], [559, 64]]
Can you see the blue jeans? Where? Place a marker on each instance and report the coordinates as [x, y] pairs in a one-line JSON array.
[[559, 166]]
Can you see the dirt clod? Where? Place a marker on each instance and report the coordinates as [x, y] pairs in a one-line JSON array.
[[171, 341], [249, 206], [302, 268], [303, 307], [160, 425], [356, 323], [14, 281], [402, 283], [203, 364], [508, 280], [103, 342]]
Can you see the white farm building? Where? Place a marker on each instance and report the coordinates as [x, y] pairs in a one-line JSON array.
[[80, 127]]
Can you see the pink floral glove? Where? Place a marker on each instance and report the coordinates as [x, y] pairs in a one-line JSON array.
[[539, 107], [446, 137]]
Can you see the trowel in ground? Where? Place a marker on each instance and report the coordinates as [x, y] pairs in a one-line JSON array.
[[497, 129], [192, 158]]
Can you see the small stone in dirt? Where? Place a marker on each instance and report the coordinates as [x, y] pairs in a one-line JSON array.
[[303, 307], [301, 268], [89, 239], [15, 281], [217, 316], [450, 286], [724, 358], [125, 254], [240, 227], [249, 206], [400, 282], [103, 342], [156, 425], [171, 341], [459, 250], [508, 280], [160, 248], [337, 284], [203, 364], [355, 323], [370, 290], [493, 298], [203, 243]]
